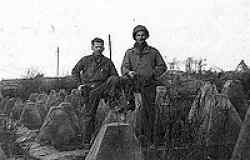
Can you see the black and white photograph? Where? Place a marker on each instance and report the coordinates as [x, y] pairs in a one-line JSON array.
[[125, 80]]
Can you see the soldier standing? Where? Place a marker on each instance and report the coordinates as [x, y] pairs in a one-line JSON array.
[[144, 63]]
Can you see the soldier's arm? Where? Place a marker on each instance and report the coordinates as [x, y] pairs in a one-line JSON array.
[[77, 70], [160, 65], [113, 71], [126, 65]]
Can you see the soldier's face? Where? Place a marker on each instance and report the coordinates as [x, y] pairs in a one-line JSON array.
[[140, 37], [98, 47]]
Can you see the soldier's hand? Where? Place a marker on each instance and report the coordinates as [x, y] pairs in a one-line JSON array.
[[132, 74], [80, 87]]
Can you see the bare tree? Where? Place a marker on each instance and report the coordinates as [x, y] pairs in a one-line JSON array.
[[189, 65], [200, 64], [33, 73]]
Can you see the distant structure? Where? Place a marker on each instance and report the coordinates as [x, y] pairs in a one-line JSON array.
[[241, 67], [46, 82], [174, 64]]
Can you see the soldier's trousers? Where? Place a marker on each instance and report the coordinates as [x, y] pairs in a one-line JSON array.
[[103, 90], [145, 116], [145, 123]]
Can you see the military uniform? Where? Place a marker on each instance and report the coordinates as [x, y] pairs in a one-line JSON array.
[[148, 65], [99, 75]]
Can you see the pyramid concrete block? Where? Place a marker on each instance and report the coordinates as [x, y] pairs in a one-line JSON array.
[[115, 141]]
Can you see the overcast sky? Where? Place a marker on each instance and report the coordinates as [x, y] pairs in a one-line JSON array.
[[30, 31]]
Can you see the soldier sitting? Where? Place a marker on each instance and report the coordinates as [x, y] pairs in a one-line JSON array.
[[98, 76]]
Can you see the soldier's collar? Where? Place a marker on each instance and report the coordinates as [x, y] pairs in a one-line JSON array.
[[96, 54], [145, 50]]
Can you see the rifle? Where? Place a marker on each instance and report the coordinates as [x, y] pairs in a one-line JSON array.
[[110, 49]]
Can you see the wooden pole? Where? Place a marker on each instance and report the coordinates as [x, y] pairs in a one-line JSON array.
[[57, 66]]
